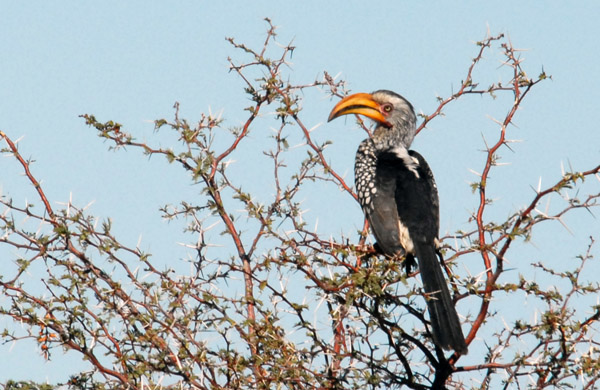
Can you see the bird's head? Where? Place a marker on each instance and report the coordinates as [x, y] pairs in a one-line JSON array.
[[394, 115]]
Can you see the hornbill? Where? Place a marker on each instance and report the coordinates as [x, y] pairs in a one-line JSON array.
[[398, 195]]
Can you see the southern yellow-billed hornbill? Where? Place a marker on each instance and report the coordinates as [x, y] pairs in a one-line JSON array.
[[397, 192]]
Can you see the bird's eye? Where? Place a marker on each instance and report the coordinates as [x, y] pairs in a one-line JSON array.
[[387, 108]]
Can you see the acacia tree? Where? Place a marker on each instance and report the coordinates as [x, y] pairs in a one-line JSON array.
[[281, 305]]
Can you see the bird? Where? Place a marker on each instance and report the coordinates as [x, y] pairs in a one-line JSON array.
[[398, 195]]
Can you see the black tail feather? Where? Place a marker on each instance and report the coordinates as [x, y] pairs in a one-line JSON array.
[[447, 332]]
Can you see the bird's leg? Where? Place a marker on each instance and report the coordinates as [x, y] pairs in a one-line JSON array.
[[408, 260], [371, 252], [409, 263], [377, 249]]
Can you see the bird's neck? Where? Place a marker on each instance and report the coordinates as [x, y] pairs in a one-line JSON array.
[[400, 135], [368, 150], [383, 145]]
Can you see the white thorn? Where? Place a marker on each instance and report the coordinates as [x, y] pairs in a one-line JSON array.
[[474, 172]]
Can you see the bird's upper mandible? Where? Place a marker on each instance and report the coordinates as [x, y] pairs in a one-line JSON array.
[[363, 104], [394, 115]]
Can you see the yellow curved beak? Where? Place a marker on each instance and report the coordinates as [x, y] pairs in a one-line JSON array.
[[359, 103]]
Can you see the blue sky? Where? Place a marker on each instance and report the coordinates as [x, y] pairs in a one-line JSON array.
[[130, 61]]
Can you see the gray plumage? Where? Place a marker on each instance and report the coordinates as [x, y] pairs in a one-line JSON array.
[[399, 197]]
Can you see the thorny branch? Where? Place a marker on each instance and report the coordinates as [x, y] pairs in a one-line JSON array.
[[316, 310], [521, 85]]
